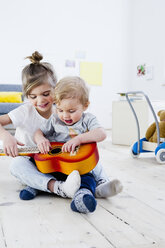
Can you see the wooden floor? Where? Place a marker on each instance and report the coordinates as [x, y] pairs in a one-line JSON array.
[[133, 219]]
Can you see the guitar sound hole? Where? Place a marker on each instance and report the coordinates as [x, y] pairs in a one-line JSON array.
[[55, 151]]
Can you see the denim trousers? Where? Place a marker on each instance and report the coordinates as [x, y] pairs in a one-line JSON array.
[[25, 170]]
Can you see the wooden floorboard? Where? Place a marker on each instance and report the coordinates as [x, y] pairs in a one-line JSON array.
[[133, 219]]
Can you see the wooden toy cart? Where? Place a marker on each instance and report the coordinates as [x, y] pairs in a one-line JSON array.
[[142, 145]]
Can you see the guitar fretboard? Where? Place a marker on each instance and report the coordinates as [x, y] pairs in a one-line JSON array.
[[25, 150], [31, 150]]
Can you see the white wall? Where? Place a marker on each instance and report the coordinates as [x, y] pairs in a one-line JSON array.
[[119, 33], [148, 46], [101, 28]]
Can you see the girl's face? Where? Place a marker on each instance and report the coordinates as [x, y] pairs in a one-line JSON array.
[[41, 97], [70, 110]]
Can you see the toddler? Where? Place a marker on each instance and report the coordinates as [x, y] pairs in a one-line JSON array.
[[73, 126]]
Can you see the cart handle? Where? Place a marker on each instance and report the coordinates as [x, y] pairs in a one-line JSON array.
[[137, 122]]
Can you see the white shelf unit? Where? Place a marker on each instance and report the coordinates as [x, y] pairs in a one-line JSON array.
[[124, 128]]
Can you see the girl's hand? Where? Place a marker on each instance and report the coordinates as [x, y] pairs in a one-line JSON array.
[[10, 145], [70, 146], [43, 145]]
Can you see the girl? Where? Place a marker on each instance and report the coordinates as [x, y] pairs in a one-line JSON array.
[[73, 127], [39, 80]]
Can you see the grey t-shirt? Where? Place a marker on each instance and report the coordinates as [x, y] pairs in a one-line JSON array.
[[58, 131]]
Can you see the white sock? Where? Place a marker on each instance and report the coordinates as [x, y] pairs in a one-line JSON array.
[[108, 189], [68, 188]]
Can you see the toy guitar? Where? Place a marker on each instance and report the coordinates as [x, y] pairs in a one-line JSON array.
[[84, 158]]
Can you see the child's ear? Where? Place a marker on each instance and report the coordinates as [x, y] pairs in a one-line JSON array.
[[86, 105]]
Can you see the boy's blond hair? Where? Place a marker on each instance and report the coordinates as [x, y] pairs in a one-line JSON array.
[[72, 87], [37, 73]]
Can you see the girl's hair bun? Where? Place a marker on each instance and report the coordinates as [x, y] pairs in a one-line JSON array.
[[35, 58]]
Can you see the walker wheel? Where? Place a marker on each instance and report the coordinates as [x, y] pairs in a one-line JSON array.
[[133, 153], [160, 156]]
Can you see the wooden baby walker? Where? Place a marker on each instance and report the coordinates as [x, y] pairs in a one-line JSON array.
[[143, 145]]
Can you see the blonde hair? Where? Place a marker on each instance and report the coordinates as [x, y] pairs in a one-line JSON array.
[[72, 87], [37, 73]]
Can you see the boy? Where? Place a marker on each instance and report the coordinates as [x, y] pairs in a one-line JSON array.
[[73, 126]]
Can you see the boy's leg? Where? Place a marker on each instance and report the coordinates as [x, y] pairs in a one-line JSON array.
[[99, 173], [26, 171], [84, 200]]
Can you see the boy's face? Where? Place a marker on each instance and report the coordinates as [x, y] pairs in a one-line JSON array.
[[41, 97], [70, 110]]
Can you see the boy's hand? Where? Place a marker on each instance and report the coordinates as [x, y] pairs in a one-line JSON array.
[[10, 146], [43, 145], [70, 146]]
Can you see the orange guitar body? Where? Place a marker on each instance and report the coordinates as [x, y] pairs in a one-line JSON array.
[[84, 161]]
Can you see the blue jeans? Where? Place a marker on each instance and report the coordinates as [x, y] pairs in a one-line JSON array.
[[99, 173], [27, 173], [88, 182]]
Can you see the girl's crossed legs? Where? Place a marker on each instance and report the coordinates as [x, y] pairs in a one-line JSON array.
[[27, 173], [81, 189]]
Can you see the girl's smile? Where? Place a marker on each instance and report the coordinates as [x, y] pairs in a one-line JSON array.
[[43, 105], [41, 97]]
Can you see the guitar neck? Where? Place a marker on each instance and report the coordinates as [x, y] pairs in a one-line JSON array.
[[24, 150]]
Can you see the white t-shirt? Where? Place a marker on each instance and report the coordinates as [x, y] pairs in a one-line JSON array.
[[26, 120]]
